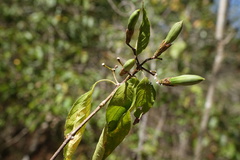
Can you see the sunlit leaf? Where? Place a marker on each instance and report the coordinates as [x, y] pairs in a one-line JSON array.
[[144, 33], [79, 111]]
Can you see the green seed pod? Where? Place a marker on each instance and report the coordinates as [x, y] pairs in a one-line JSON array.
[[131, 25], [127, 66], [174, 32], [133, 19], [183, 80]]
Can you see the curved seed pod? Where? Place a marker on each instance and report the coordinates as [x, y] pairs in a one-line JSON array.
[[131, 25], [174, 32], [183, 80], [171, 36], [127, 66], [133, 19]]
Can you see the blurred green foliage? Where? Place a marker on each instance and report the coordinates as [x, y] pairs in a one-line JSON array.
[[51, 52]]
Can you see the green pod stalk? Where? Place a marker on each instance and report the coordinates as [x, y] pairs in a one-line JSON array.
[[174, 32], [183, 80], [162, 48], [131, 25], [127, 66]]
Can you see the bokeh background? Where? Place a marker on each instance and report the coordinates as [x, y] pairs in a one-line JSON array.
[[51, 52]]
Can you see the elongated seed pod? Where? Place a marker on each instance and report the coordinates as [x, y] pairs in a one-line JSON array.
[[133, 19], [183, 80], [174, 32], [131, 25], [127, 66]]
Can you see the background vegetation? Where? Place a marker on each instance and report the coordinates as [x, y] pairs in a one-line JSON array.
[[51, 52]]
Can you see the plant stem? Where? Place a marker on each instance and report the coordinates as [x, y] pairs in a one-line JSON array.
[[148, 71]]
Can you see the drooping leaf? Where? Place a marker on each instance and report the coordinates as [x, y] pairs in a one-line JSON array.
[[144, 33], [79, 111], [115, 137], [108, 141], [144, 97], [100, 148], [118, 120]]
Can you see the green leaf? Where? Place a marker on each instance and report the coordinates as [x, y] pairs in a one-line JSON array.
[[144, 33], [144, 97], [109, 140], [115, 137], [118, 120], [120, 103], [100, 148], [79, 111]]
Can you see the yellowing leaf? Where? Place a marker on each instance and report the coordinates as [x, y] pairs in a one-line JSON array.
[[79, 111]]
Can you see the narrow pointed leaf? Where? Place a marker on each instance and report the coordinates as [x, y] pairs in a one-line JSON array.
[[144, 33], [100, 148]]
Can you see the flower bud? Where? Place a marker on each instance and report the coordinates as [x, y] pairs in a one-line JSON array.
[[127, 66], [183, 80], [174, 32]]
